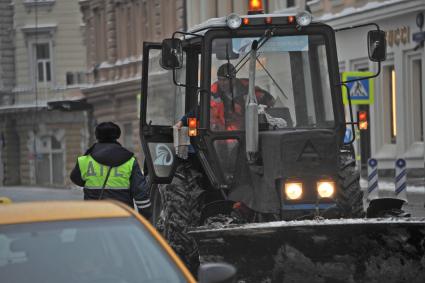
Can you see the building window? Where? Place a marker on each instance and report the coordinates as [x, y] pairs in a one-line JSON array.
[[39, 2], [43, 62], [170, 21], [74, 78], [146, 20], [70, 78], [28, 4], [39, 40], [290, 3], [119, 21], [138, 28], [131, 42], [389, 105], [50, 161], [418, 111], [336, 3], [100, 34], [393, 104]]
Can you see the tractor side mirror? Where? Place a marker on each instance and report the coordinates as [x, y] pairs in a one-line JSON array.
[[217, 273], [172, 54], [377, 45]]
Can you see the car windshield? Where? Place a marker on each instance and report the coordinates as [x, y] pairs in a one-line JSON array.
[[291, 81], [102, 250]]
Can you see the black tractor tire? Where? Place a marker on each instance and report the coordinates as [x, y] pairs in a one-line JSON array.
[[181, 203], [350, 194], [156, 202]]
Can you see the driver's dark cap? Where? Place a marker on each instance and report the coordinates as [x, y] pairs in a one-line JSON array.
[[107, 132], [226, 70]]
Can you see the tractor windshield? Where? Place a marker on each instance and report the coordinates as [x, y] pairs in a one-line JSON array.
[[291, 82]]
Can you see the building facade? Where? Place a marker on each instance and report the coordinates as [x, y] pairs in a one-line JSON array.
[[115, 31], [397, 114], [39, 145]]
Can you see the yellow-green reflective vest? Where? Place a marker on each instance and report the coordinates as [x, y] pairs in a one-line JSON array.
[[94, 174]]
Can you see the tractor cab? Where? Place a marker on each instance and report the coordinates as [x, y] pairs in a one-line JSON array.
[[263, 95]]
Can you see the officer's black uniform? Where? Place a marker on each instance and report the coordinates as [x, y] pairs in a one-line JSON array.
[[110, 153]]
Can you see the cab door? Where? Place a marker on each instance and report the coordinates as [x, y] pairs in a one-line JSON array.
[[162, 105]]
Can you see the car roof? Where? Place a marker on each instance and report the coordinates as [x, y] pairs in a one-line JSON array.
[[43, 211], [30, 212]]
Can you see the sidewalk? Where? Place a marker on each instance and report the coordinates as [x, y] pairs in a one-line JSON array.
[[416, 185]]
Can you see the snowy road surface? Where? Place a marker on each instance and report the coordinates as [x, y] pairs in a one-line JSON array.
[[415, 194], [22, 193]]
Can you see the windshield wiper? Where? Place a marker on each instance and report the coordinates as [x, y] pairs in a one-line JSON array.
[[263, 39], [231, 77], [271, 77]]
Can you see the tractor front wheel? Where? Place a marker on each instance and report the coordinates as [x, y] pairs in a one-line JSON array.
[[350, 195]]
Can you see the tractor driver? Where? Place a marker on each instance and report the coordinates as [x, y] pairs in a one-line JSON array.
[[228, 95], [227, 104]]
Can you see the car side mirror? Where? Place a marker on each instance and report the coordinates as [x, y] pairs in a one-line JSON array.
[[172, 54], [216, 273], [377, 45]]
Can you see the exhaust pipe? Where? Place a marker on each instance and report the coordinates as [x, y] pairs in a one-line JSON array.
[[251, 110]]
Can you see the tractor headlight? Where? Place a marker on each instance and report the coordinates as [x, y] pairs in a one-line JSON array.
[[293, 190], [303, 18], [325, 189], [233, 21]]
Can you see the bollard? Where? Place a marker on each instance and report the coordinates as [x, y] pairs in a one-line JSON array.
[[400, 179], [372, 178]]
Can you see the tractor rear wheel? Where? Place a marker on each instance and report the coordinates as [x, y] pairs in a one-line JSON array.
[[350, 196], [181, 209]]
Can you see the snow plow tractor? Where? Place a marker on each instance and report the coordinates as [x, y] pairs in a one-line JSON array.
[[242, 126]]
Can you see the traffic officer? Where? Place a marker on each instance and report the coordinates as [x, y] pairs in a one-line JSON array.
[[109, 171]]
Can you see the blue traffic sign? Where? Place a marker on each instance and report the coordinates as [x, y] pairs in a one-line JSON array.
[[418, 36], [348, 136], [361, 91]]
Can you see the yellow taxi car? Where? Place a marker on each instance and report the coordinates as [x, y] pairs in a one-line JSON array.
[[88, 241]]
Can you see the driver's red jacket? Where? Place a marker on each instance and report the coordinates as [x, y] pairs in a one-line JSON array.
[[227, 113]]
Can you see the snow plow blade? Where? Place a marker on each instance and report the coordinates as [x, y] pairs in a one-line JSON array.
[[349, 250]]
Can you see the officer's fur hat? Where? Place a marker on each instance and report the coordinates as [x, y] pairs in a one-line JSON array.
[[107, 132]]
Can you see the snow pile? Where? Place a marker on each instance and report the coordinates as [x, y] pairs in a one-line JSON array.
[[313, 223]]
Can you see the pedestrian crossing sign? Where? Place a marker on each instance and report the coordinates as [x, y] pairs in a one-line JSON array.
[[361, 92]]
